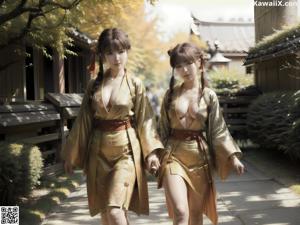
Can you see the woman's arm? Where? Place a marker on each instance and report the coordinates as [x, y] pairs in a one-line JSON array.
[[75, 150], [145, 120], [223, 145], [164, 124]]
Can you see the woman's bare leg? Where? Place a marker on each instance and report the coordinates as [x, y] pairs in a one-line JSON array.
[[126, 215], [176, 190], [196, 205], [116, 216], [104, 219]]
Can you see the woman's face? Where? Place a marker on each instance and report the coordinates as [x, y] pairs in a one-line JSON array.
[[187, 71], [116, 59]]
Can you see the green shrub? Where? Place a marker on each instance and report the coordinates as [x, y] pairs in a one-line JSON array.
[[226, 81], [274, 122], [20, 170]]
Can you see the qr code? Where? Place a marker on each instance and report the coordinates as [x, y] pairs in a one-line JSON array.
[[9, 215]]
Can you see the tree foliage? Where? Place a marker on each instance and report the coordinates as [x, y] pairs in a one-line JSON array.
[[46, 24], [95, 15], [38, 22], [145, 57], [128, 15]]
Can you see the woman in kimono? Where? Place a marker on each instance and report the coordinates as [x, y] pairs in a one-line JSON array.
[[196, 140], [113, 135]]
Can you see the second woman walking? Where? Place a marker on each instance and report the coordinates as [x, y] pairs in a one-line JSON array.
[[196, 139]]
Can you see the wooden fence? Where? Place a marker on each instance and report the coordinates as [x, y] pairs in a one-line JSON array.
[[42, 124], [46, 124], [235, 111]]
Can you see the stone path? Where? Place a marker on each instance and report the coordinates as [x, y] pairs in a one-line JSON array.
[[252, 199]]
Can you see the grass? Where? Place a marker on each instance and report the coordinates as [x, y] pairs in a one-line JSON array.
[[276, 165], [47, 196]]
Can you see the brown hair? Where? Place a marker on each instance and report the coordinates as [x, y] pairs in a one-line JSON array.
[[181, 54], [112, 39]]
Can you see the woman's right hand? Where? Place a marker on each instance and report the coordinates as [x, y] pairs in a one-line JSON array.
[[152, 163], [237, 165], [68, 167]]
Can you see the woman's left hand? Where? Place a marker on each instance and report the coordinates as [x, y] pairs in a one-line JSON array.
[[237, 165], [152, 162]]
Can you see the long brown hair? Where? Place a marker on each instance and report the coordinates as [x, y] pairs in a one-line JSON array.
[[185, 53], [112, 39]]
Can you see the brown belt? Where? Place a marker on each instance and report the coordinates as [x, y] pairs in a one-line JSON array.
[[112, 125], [183, 135], [186, 134]]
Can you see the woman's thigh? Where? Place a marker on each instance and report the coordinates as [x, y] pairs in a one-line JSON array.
[[176, 191]]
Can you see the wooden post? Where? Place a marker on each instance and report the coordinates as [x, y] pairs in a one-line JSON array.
[[38, 64], [58, 73], [61, 134], [59, 87], [71, 74]]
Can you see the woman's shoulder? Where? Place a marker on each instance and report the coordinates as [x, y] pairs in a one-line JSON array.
[[175, 89], [210, 95], [136, 81], [210, 92], [90, 83]]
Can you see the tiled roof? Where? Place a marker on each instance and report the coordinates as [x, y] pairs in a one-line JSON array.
[[233, 37]]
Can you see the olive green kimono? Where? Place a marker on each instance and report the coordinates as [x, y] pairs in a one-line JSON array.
[[183, 157], [100, 153]]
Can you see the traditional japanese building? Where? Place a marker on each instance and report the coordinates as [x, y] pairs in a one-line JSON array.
[[30, 77], [234, 38], [275, 57]]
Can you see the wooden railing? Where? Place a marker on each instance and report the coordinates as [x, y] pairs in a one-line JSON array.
[[45, 123], [34, 123], [235, 111], [42, 124]]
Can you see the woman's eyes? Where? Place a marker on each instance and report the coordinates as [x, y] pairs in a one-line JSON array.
[[112, 52], [183, 65]]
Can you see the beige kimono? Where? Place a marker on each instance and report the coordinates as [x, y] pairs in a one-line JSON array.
[[113, 161], [184, 158]]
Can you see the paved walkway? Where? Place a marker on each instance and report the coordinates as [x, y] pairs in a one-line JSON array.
[[247, 200]]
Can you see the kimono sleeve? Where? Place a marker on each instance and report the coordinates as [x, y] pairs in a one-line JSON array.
[[76, 146], [145, 121], [164, 124], [222, 142]]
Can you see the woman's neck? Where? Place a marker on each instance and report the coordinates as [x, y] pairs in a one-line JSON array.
[[190, 84], [115, 73]]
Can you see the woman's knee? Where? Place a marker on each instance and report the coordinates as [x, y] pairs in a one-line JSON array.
[[181, 212], [115, 213]]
